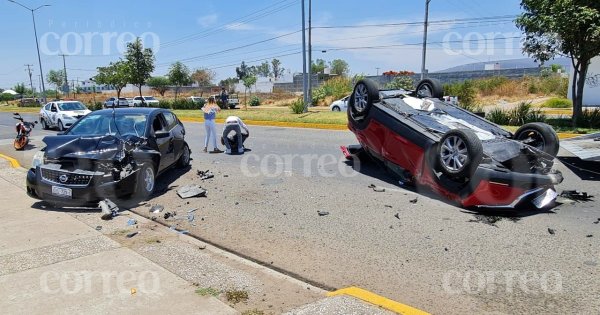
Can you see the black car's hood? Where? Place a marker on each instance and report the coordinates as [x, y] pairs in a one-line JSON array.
[[83, 147]]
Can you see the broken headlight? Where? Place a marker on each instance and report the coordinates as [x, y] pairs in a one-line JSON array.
[[38, 159]]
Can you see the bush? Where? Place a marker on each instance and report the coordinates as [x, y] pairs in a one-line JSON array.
[[297, 106], [164, 104], [254, 101], [401, 82], [590, 118], [336, 88], [558, 103], [524, 113], [95, 106], [466, 93], [498, 116]]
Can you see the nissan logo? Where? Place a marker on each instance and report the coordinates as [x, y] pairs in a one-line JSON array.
[[63, 178]]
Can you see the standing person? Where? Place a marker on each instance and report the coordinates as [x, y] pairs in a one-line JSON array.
[[234, 124], [224, 97], [210, 113]]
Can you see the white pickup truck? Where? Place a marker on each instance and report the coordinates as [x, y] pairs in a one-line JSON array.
[[145, 101]]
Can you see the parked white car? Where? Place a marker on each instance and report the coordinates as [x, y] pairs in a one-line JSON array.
[[61, 114], [340, 105], [145, 101], [196, 99], [113, 101]]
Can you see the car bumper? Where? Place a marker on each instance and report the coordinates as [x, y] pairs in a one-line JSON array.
[[98, 188]]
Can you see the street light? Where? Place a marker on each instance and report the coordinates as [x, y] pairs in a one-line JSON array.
[[36, 42]]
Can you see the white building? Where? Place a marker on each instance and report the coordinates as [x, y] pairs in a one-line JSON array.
[[591, 91]]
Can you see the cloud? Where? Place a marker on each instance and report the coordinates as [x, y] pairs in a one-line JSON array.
[[208, 20], [240, 27]]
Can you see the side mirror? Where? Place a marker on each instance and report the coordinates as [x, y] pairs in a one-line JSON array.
[[162, 134]]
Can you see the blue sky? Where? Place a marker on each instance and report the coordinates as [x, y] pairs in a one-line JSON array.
[[210, 33]]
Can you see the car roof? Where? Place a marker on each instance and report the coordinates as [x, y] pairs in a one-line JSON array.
[[62, 102], [134, 110]]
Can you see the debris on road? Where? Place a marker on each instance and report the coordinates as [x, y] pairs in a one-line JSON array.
[[156, 208], [131, 222], [597, 221], [551, 231], [397, 216], [376, 188], [589, 235], [109, 209], [172, 228], [204, 175], [576, 195], [98, 227], [414, 200], [130, 235], [190, 191], [322, 213], [169, 215], [192, 210], [387, 206]]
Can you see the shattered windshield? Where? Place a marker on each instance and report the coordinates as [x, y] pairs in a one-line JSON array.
[[71, 106], [121, 124]]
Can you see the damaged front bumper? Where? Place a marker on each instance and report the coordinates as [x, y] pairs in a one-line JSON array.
[[79, 187]]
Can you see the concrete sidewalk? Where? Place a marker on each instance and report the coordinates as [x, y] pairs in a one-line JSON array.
[[53, 263]]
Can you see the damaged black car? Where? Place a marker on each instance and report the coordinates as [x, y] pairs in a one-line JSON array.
[[108, 154]]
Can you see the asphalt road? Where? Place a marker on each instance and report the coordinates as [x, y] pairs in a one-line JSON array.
[[425, 253]]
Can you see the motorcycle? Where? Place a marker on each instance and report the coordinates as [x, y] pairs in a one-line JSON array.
[[23, 129]]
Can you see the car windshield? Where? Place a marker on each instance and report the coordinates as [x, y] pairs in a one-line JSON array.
[[150, 98], [71, 106], [104, 124]]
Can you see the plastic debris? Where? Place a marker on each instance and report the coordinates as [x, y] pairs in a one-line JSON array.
[[192, 210], [131, 222], [191, 217], [322, 213], [172, 228], [376, 188], [589, 235], [109, 209], [98, 227], [133, 291], [169, 215], [156, 208], [204, 175], [414, 200], [397, 216], [130, 235], [551, 231], [190, 191], [576, 195], [387, 206], [597, 221]]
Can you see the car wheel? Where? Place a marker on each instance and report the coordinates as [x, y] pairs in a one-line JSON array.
[[540, 136], [459, 152], [336, 109], [145, 181], [430, 88], [365, 93], [44, 124], [184, 160], [61, 127]]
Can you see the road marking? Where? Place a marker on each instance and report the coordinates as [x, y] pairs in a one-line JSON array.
[[13, 163], [378, 300]]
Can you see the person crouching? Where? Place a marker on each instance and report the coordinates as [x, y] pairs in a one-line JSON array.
[[233, 136]]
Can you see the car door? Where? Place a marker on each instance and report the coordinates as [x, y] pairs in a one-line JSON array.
[[177, 133], [164, 141], [54, 114], [45, 113]]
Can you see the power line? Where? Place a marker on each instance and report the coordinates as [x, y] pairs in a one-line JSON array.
[[417, 44], [453, 21]]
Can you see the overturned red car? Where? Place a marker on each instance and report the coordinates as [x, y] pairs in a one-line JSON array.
[[469, 160]]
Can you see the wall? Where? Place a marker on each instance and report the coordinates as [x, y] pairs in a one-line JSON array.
[[591, 91]]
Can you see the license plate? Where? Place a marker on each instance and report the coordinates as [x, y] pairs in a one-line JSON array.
[[62, 192]]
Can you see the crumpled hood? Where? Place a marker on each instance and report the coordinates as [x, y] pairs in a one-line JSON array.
[[88, 147]]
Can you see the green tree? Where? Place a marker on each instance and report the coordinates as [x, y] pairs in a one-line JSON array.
[[20, 88], [264, 70], [203, 77], [339, 67], [318, 66], [228, 83], [401, 82], [115, 75], [276, 68], [159, 84], [140, 63], [242, 71], [5, 97], [566, 27], [249, 81], [56, 77], [179, 75]]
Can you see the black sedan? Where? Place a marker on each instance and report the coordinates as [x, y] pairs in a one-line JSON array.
[[108, 154]]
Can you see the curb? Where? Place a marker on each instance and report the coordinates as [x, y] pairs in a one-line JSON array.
[[13, 162], [265, 123], [378, 300]]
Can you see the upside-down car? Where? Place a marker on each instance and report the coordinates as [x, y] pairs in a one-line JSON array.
[[469, 160]]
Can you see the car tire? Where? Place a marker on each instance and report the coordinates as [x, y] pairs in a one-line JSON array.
[[459, 153], [336, 109], [540, 136], [430, 88], [364, 95], [60, 125], [44, 124], [146, 181], [184, 159]]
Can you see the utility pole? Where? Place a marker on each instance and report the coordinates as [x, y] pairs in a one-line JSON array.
[[377, 71], [304, 76], [66, 85], [309, 53], [29, 71], [423, 68]]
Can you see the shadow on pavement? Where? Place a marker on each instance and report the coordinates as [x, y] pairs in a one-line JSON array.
[[585, 170]]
